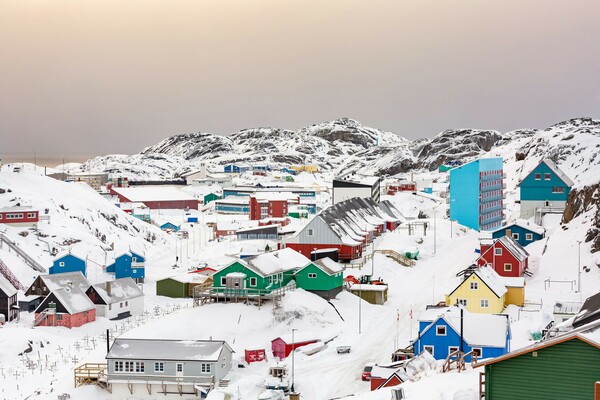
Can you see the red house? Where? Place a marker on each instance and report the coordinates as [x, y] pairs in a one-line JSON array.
[[156, 197], [387, 377], [68, 306], [271, 205], [507, 257], [403, 186], [282, 346], [19, 216]]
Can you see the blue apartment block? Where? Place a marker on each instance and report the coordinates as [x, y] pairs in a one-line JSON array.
[[476, 194], [546, 186], [68, 263]]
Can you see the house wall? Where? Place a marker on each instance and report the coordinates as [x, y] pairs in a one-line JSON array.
[[497, 261], [566, 370], [532, 189], [71, 264], [345, 253], [474, 297], [322, 282], [261, 283], [442, 343], [516, 296], [282, 349], [528, 207], [371, 296], [69, 320], [520, 231], [20, 218], [133, 306], [172, 288], [6, 304]]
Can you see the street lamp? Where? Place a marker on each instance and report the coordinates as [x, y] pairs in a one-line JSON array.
[[434, 232], [293, 348], [579, 267]]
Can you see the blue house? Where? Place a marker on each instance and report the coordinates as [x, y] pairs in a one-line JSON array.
[[236, 168], [129, 265], [546, 186], [169, 226], [476, 194], [289, 171], [522, 231], [486, 335], [68, 263]]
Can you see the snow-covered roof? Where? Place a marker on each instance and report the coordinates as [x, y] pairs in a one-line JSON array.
[[478, 329], [120, 289], [16, 209], [239, 200], [329, 266], [72, 252], [57, 281], [73, 299], [567, 307], [590, 310], [512, 281], [359, 179], [236, 275], [190, 278], [368, 288], [563, 177], [274, 196], [154, 193], [491, 278], [163, 349], [525, 224], [7, 287], [277, 261], [515, 248]]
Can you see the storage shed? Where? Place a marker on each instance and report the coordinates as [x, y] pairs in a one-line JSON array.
[[374, 294]]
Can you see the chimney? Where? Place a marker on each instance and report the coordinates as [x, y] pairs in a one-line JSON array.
[[109, 288]]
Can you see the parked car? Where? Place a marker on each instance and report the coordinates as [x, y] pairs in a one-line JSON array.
[[366, 374]]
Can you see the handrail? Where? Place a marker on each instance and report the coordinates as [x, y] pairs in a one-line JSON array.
[[7, 273], [26, 257]]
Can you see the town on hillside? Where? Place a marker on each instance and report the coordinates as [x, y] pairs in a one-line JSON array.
[[477, 279]]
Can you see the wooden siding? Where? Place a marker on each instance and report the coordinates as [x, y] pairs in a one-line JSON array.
[[322, 281], [474, 297], [516, 296], [567, 370], [322, 233]]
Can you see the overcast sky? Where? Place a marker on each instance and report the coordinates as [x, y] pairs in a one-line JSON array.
[[82, 77]]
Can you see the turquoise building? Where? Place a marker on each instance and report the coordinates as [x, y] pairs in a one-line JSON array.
[[522, 232], [546, 186], [476, 194]]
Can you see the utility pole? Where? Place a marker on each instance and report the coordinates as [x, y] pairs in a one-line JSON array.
[[434, 232], [293, 348], [579, 267]]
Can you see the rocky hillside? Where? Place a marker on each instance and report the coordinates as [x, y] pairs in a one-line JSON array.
[[346, 145]]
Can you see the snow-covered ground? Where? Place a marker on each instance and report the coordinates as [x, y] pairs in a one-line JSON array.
[[78, 215]]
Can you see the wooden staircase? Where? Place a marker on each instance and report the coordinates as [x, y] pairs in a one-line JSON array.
[[458, 359], [26, 258], [43, 315], [6, 272], [394, 255]]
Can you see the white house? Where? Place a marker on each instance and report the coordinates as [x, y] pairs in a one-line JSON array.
[[117, 299]]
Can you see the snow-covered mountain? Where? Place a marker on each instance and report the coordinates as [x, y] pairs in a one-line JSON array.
[[347, 145]]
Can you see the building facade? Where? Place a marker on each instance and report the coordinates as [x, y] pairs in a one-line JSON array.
[[477, 193], [19, 216], [347, 187]]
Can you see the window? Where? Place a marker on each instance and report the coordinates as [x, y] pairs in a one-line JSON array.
[[452, 349], [310, 232], [538, 177], [118, 366], [110, 307], [428, 349], [462, 302], [474, 285], [440, 330], [312, 275], [121, 304], [59, 317], [485, 303], [476, 352], [558, 189], [159, 367], [529, 236], [61, 264], [508, 267], [179, 367], [252, 281], [546, 177], [126, 303], [515, 236], [205, 368], [134, 366], [223, 281], [30, 215], [133, 259], [498, 251]]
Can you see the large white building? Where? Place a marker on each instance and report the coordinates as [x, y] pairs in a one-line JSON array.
[[349, 186]]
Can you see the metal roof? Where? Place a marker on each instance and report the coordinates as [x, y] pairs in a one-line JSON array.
[[166, 349]]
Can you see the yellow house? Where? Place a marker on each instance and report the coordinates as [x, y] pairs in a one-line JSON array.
[[481, 292], [515, 290]]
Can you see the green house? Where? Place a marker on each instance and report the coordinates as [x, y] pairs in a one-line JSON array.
[[566, 367], [323, 277], [182, 285], [211, 197], [260, 274]]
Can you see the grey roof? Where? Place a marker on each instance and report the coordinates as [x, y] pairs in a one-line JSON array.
[[590, 311], [120, 289], [329, 266], [57, 281], [166, 349], [515, 248], [7, 287], [563, 177], [73, 299]]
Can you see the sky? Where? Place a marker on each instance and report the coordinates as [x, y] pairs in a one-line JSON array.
[[81, 77]]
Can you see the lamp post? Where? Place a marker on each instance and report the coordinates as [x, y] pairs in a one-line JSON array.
[[451, 228], [579, 266], [293, 348], [434, 232]]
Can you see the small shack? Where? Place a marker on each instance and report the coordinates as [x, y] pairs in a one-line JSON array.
[[374, 294], [182, 285], [283, 345]]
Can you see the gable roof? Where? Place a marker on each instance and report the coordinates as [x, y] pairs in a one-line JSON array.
[[489, 277], [167, 349], [554, 168], [73, 299], [57, 281], [7, 287], [66, 253], [478, 329], [276, 261], [590, 311], [328, 266], [120, 289], [509, 244], [525, 224]]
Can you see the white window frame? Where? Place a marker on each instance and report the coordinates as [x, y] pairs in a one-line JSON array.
[[312, 275], [515, 235], [223, 281], [205, 368], [119, 366], [509, 265], [179, 367], [430, 349], [310, 232], [529, 237], [61, 264], [474, 285], [537, 176], [253, 281], [547, 176], [462, 302], [498, 251], [452, 349], [484, 303], [159, 366], [440, 330], [477, 349]]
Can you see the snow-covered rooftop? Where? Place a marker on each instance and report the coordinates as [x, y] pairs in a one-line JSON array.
[[491, 279], [73, 299], [57, 281], [277, 261], [329, 266], [162, 349], [16, 209], [7, 287], [153, 193], [120, 289]]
